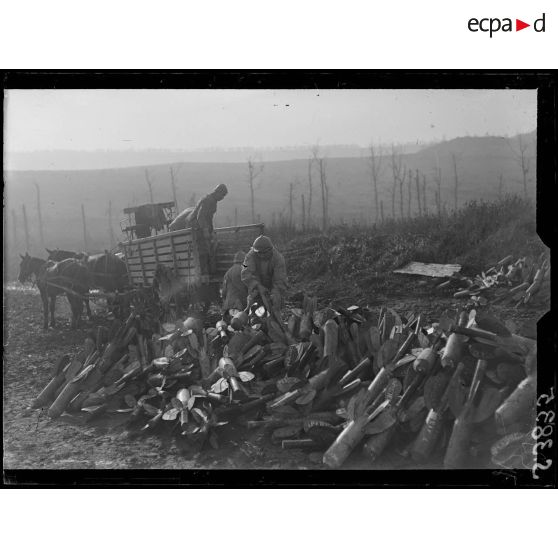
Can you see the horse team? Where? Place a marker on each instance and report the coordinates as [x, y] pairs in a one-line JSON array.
[[73, 274]]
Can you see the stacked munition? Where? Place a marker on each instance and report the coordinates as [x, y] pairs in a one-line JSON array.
[[514, 280], [338, 381]]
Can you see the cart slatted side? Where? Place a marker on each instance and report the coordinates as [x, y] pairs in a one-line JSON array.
[[178, 251], [175, 250], [229, 241]]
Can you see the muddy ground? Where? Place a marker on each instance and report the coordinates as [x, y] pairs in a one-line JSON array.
[[32, 440]]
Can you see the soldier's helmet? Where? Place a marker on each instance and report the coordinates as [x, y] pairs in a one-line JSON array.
[[262, 244], [221, 190]]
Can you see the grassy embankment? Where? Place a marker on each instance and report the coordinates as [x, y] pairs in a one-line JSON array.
[[476, 236]]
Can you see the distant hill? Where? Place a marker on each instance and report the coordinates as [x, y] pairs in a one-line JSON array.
[[480, 162], [103, 159]]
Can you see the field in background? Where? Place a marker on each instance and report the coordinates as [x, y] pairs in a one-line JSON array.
[[487, 169]]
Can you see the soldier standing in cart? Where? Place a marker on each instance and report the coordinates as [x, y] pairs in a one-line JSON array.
[[200, 218], [264, 273]]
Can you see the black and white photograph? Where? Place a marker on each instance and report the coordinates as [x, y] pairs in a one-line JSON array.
[[315, 279]]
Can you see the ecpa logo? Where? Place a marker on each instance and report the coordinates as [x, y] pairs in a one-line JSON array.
[[492, 25]]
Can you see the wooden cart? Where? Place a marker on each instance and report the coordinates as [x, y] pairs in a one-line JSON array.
[[177, 254]]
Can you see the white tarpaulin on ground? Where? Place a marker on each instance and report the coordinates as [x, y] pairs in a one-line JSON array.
[[429, 270]]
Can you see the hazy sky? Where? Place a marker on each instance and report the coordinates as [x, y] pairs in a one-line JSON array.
[[193, 119]]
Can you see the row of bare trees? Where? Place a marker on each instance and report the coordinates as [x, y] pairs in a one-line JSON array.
[[317, 165], [401, 176], [254, 170], [523, 160], [403, 181], [378, 160], [28, 243], [40, 225]]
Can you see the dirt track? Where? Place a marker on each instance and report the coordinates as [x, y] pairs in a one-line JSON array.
[[32, 440]]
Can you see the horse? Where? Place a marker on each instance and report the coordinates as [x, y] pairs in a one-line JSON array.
[[60, 255], [107, 272], [66, 277]]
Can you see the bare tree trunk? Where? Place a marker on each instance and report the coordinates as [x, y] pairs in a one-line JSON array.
[[455, 179], [424, 206], [40, 215], [26, 227], [173, 186], [376, 201], [417, 183], [84, 229], [382, 211], [251, 185], [236, 216], [320, 161], [438, 183], [376, 208], [409, 184], [401, 180], [375, 165], [111, 231], [149, 185], [325, 195], [309, 192], [253, 172], [396, 173], [524, 164], [14, 230], [324, 202], [303, 214], [290, 206]]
